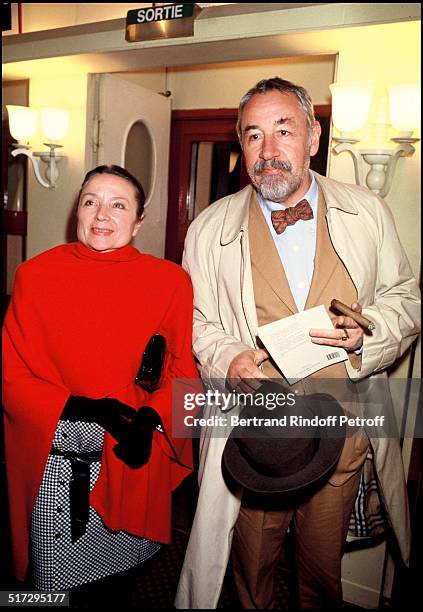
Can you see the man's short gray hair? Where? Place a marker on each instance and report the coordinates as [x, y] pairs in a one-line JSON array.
[[284, 87]]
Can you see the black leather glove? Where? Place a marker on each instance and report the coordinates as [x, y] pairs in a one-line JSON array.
[[134, 447], [111, 414]]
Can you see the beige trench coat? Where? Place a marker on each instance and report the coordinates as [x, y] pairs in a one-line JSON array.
[[225, 323]]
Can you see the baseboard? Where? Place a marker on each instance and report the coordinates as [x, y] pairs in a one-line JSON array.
[[360, 595]]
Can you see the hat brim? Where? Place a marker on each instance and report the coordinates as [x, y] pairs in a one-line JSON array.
[[323, 461]]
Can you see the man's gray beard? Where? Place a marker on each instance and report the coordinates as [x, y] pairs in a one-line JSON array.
[[277, 188]]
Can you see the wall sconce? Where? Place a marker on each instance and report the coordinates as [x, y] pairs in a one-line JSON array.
[[54, 125], [350, 110]]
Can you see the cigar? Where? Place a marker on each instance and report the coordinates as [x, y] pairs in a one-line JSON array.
[[357, 317]]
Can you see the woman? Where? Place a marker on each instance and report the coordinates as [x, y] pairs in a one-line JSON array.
[[80, 317]]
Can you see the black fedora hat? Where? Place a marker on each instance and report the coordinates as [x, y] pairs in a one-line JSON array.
[[288, 449]]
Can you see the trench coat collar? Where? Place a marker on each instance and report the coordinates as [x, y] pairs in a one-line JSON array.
[[236, 217], [337, 195]]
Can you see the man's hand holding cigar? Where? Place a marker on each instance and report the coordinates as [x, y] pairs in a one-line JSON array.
[[346, 332]]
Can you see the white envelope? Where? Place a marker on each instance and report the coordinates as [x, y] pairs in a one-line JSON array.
[[288, 342]]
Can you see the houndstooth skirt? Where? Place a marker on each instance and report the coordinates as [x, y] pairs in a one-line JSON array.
[[56, 562]]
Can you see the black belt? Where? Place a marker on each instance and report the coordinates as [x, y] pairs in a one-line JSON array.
[[79, 488]]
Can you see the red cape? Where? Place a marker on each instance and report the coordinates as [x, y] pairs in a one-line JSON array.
[[77, 324]]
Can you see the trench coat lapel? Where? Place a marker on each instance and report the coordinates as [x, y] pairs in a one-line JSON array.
[[265, 256], [235, 261]]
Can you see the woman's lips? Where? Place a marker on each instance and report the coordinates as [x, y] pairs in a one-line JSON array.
[[101, 231]]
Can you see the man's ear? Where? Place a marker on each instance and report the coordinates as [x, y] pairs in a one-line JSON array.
[[315, 138]]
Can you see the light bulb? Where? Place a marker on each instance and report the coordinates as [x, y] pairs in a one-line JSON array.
[[350, 106], [54, 123], [404, 106], [22, 123]]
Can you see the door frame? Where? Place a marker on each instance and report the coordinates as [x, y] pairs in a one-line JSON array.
[[187, 127], [212, 125]]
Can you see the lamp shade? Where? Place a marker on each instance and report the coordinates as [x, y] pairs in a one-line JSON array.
[[350, 106], [54, 123], [22, 123], [404, 106]]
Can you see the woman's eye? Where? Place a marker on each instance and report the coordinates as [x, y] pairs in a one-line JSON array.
[[89, 203], [119, 205]]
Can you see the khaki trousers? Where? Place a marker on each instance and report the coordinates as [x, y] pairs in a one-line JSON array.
[[319, 528]]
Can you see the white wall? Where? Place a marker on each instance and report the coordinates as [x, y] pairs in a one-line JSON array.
[[223, 85], [150, 79], [49, 210]]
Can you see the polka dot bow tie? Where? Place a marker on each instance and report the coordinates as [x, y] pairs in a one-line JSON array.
[[282, 218]]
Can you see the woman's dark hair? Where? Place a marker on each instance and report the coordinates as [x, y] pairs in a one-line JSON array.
[[118, 171]]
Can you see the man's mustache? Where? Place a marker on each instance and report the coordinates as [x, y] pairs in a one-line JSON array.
[[271, 163]]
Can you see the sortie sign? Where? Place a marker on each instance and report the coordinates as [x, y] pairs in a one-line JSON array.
[[160, 13], [167, 21]]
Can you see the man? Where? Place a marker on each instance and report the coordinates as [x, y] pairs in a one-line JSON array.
[[248, 268]]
